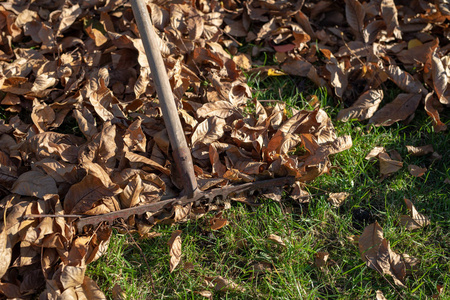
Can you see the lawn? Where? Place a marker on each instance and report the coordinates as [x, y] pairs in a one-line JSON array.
[[261, 269]]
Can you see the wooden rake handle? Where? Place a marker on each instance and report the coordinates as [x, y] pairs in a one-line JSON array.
[[181, 152]]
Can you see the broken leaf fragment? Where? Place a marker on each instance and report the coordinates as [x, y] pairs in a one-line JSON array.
[[175, 249], [415, 220], [320, 259], [416, 171], [419, 151], [337, 199], [276, 239], [223, 285]]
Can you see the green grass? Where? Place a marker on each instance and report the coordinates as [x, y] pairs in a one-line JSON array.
[[306, 228]]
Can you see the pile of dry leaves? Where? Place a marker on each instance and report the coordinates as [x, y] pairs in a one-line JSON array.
[[67, 65]]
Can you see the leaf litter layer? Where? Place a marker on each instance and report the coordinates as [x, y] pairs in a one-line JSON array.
[[83, 63]]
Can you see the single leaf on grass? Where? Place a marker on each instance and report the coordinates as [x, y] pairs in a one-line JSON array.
[[440, 78], [369, 242], [337, 199], [387, 165], [224, 285], [364, 108], [391, 263], [380, 295], [419, 151], [218, 222], [320, 259], [276, 239], [399, 109], [205, 293], [175, 249], [416, 171], [415, 220]]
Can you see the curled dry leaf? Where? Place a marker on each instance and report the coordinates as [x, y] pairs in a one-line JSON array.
[[420, 151], [276, 239], [216, 223], [416, 171], [364, 108], [440, 78], [175, 249], [430, 107], [380, 295], [415, 220], [337, 199], [224, 285], [205, 293], [375, 152]]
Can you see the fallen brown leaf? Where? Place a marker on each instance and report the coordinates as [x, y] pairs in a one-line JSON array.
[[224, 285], [175, 249], [337, 199], [387, 165], [415, 220], [276, 239], [320, 259], [416, 171], [420, 151]]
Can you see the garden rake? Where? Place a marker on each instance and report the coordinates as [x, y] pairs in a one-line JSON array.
[[180, 150]]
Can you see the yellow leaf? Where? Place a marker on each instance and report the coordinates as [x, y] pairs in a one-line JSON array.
[[273, 72], [414, 43]]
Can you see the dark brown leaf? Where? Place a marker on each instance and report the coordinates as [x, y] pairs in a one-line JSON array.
[[355, 14], [399, 109], [389, 14], [369, 243], [415, 220]]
